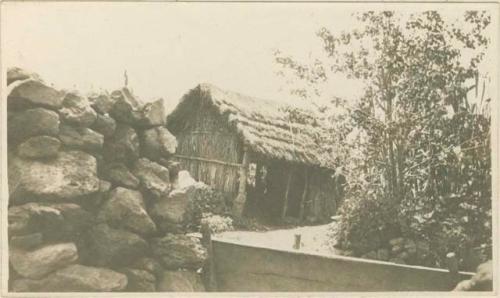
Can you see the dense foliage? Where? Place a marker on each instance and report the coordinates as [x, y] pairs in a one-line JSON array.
[[415, 147]]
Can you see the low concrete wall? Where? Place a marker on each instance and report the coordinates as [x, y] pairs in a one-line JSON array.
[[238, 267]]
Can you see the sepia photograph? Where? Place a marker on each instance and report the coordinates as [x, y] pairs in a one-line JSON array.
[[303, 148]]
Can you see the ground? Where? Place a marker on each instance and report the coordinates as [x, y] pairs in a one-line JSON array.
[[313, 238]]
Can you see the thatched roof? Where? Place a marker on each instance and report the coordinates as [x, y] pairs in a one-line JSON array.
[[265, 126]]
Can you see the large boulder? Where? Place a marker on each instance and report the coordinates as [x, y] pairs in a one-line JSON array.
[[125, 209], [152, 114], [184, 206], [32, 217], [104, 125], [139, 280], [106, 246], [179, 251], [55, 222], [38, 263], [75, 278], [118, 174], [180, 281], [102, 103], [155, 179], [26, 242], [127, 109], [174, 167], [39, 147], [32, 122], [76, 110], [76, 221], [150, 265], [81, 138], [33, 93], [157, 143], [19, 74], [70, 175], [171, 212], [123, 145], [93, 202]]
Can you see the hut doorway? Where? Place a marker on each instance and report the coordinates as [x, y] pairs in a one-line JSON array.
[[295, 193], [276, 190]]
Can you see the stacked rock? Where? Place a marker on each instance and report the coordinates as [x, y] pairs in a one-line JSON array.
[[85, 174]]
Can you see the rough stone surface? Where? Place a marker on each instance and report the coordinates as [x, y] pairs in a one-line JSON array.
[[105, 246], [123, 145], [148, 264], [70, 175], [32, 122], [19, 74], [171, 212], [104, 125], [155, 179], [56, 222], [28, 241], [118, 174], [125, 107], [158, 143], [174, 168], [36, 264], [125, 209], [32, 217], [32, 92], [81, 138], [179, 251], [139, 280], [152, 114], [76, 221], [76, 110], [102, 103], [180, 281], [75, 278], [39, 147]]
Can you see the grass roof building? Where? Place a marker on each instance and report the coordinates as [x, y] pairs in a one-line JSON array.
[[265, 155]]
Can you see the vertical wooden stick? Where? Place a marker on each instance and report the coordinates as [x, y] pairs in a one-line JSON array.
[[452, 263], [296, 245], [304, 195], [285, 204], [239, 202]]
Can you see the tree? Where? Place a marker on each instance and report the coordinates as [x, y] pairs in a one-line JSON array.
[[418, 150]]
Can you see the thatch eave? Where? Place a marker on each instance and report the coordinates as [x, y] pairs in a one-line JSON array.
[[261, 124]]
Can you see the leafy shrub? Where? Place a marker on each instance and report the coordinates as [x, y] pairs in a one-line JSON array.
[[366, 224], [204, 199], [216, 223]]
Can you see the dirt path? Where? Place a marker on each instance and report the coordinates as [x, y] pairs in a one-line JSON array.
[[313, 238]]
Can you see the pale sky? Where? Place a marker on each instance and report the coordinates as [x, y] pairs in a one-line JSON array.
[[168, 48]]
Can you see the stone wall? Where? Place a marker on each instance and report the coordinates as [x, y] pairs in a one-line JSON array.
[[95, 202]]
